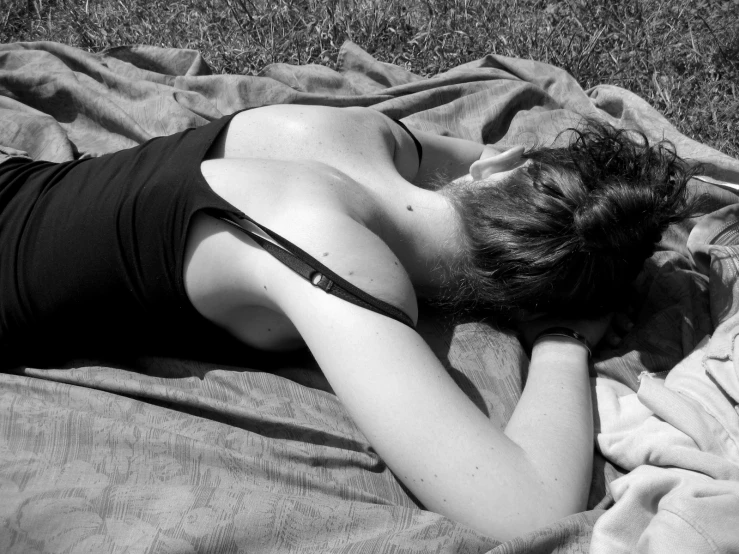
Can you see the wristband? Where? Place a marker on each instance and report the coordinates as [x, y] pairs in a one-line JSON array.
[[565, 332]]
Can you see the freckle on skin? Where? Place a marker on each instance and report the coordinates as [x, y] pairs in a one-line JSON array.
[[409, 208], [325, 254], [265, 287]]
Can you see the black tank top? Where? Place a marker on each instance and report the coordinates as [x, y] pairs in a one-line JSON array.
[[92, 252]]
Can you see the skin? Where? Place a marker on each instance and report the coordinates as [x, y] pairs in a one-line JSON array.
[[344, 185]]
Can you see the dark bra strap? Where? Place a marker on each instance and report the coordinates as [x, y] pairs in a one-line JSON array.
[[417, 142], [318, 274]]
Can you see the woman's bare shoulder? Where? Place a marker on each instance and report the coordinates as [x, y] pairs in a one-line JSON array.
[[321, 115], [361, 142], [355, 253], [249, 276]]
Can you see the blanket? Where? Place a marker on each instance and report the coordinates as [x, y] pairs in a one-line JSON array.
[[257, 455], [679, 434]]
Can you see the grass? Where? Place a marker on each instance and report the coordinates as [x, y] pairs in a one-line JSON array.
[[680, 55]]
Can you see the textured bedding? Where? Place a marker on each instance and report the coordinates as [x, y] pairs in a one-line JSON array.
[[254, 453]]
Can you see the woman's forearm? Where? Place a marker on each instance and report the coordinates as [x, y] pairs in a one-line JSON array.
[[445, 158], [553, 422], [449, 453]]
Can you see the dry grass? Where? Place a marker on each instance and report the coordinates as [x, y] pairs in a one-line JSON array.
[[680, 55]]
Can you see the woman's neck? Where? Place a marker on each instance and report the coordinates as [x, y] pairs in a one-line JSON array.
[[429, 240]]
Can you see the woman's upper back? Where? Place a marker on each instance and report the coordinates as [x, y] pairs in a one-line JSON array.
[[336, 183], [330, 182], [362, 143]]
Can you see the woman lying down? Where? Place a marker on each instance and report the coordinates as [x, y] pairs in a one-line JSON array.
[[292, 226]]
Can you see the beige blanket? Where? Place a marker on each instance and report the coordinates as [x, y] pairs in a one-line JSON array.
[[168, 455]]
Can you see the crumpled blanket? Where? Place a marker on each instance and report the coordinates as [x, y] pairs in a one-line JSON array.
[[680, 435], [169, 455]]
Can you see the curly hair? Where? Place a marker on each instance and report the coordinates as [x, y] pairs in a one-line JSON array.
[[571, 228]]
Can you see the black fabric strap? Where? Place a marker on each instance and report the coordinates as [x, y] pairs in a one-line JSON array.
[[565, 332], [419, 148], [318, 274]]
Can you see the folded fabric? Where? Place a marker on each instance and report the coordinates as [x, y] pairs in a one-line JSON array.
[[680, 435]]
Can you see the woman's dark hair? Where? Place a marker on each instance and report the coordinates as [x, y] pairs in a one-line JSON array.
[[569, 231]]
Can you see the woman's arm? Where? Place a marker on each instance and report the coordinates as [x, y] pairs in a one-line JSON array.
[[448, 453], [444, 449], [555, 412], [446, 158]]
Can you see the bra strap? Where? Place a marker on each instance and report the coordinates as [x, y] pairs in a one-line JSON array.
[[419, 147], [316, 273]]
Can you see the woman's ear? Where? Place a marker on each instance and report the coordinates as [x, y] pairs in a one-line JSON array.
[[504, 161]]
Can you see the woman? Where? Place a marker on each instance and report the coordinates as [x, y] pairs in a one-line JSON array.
[[140, 244]]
